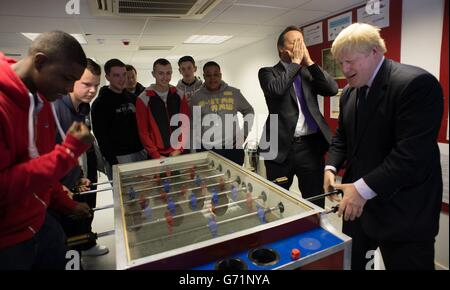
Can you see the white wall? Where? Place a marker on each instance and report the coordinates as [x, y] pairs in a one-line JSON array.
[[420, 46], [422, 34], [144, 76]]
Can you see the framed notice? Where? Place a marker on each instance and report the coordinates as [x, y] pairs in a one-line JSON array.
[[313, 34], [375, 13], [337, 24], [330, 64], [334, 105]]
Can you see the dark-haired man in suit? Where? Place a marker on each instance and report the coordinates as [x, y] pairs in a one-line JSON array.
[[291, 88]]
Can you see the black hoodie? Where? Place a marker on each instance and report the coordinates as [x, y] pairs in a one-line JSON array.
[[138, 89], [114, 124]]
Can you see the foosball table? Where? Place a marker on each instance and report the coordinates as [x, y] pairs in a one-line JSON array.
[[202, 211]]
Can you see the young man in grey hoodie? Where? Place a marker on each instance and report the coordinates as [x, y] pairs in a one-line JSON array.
[[216, 104], [189, 84]]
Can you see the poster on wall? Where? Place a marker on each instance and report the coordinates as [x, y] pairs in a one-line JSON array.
[[313, 34], [337, 24], [375, 13], [334, 105], [331, 65]]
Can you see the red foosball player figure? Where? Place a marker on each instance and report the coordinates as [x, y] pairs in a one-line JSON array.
[[157, 179], [169, 220], [249, 201]]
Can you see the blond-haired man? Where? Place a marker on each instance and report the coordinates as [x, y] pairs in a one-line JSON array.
[[388, 124]]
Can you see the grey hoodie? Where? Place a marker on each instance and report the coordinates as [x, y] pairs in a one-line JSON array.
[[188, 91], [226, 101]]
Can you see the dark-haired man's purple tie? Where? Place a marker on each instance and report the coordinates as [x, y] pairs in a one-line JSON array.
[[312, 125]]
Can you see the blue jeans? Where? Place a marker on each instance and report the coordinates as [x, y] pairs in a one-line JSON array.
[[45, 251]]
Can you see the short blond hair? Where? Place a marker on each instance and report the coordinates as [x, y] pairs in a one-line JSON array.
[[358, 37]]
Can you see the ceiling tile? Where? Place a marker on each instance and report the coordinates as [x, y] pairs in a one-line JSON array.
[[13, 39], [112, 26], [249, 15], [271, 3], [331, 5], [162, 40], [108, 41], [297, 17], [164, 27], [38, 24], [41, 8]]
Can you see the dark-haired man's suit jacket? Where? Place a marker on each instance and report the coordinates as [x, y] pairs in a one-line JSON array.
[[302, 156]]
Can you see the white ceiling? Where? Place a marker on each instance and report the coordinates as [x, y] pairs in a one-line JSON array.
[[247, 20]]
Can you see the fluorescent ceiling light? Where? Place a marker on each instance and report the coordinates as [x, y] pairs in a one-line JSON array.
[[174, 57], [77, 36], [207, 39]]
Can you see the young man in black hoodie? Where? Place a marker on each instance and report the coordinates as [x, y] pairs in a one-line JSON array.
[[114, 119], [132, 85]]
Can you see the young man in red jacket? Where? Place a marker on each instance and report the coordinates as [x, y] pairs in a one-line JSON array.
[[30, 163], [162, 115]]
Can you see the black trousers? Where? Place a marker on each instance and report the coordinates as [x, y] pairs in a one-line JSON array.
[[74, 227], [306, 161], [396, 255], [45, 251]]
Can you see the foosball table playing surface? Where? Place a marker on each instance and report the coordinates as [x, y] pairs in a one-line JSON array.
[[200, 210]]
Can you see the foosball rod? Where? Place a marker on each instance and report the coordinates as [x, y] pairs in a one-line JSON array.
[[93, 191], [160, 172], [333, 209], [183, 202], [140, 182], [280, 206], [166, 177], [87, 238], [174, 192], [98, 183], [336, 191], [103, 207], [159, 220]]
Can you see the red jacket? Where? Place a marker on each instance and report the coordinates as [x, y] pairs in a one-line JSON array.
[[29, 185], [150, 125]]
